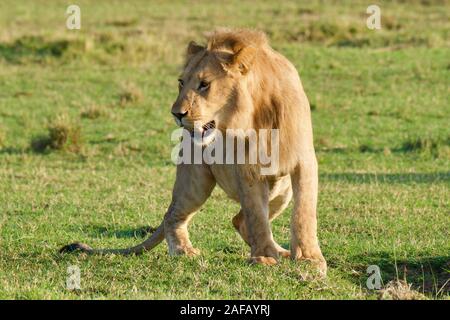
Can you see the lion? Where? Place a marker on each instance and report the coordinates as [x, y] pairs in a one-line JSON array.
[[237, 81]]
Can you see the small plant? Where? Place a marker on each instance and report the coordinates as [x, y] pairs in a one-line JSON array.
[[62, 135], [130, 94]]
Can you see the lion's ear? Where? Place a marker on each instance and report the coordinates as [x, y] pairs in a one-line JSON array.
[[243, 59], [194, 48]]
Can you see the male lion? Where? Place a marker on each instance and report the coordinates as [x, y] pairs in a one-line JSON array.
[[237, 81]]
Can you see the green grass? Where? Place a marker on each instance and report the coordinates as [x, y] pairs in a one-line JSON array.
[[380, 103]]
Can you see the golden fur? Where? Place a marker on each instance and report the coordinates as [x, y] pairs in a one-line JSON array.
[[238, 81]]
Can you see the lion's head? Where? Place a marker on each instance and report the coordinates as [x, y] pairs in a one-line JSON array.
[[237, 81], [212, 79]]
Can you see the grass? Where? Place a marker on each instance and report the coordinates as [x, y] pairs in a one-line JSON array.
[[380, 112]]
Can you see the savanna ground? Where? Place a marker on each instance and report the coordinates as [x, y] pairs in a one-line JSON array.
[[85, 148]]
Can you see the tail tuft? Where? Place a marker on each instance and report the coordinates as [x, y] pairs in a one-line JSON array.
[[76, 246]]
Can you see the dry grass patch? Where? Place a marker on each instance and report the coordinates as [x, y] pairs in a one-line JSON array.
[[122, 22], [130, 94], [125, 149], [324, 143], [93, 111], [399, 290]]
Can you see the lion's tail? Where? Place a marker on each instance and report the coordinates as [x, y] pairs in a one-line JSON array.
[[147, 245]]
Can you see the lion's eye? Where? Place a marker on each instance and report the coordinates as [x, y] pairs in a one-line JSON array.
[[180, 83], [203, 86]]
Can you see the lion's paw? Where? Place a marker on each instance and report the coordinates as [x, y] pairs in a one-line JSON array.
[[186, 251], [284, 253], [268, 261], [317, 263]]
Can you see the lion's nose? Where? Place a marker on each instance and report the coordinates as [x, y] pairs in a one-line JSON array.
[[179, 115]]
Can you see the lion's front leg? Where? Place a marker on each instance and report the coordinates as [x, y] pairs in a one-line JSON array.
[[254, 198], [194, 184], [176, 232]]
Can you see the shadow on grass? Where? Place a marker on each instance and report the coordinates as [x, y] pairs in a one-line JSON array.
[[427, 274], [12, 151], [36, 48], [100, 231], [38, 145], [436, 147], [374, 178]]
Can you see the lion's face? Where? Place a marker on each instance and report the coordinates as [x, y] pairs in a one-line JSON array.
[[206, 91]]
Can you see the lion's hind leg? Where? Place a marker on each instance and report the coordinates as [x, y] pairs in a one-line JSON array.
[[276, 206]]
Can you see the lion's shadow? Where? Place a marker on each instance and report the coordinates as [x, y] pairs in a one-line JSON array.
[[427, 274]]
